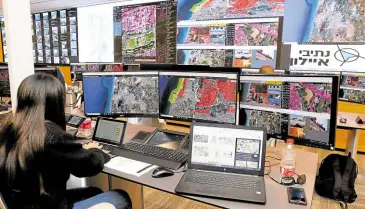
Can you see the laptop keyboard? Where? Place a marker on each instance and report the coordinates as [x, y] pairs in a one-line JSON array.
[[233, 181], [157, 152]]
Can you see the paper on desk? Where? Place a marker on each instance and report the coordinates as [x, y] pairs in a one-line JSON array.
[[129, 166]]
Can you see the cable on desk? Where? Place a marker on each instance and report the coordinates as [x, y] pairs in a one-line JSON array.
[[185, 168], [77, 100], [273, 157], [268, 174]]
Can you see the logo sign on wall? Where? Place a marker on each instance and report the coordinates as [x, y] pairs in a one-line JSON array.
[[328, 57]]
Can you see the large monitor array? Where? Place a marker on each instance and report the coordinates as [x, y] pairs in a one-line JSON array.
[[301, 107]]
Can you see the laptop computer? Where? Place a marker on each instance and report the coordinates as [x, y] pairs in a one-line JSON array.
[[109, 133], [162, 147], [225, 161]]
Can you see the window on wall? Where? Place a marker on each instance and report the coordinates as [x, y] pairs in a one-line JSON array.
[[55, 37]]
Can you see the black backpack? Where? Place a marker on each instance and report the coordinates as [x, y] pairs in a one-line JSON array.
[[336, 179]]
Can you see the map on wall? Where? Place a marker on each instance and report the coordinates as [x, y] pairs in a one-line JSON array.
[[199, 10], [139, 31], [145, 33], [324, 21]]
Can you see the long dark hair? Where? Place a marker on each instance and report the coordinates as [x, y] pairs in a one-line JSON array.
[[41, 98]]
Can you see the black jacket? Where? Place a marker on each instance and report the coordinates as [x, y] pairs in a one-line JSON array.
[[60, 158]]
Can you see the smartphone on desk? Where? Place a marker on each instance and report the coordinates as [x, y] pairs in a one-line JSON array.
[[296, 196]]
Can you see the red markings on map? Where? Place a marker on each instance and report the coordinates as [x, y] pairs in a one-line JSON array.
[[310, 97]]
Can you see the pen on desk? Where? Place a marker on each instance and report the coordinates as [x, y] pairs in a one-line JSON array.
[[143, 169]]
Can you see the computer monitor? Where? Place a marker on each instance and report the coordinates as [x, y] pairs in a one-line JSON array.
[[115, 94], [4, 82], [194, 96], [352, 88], [299, 107], [253, 71]]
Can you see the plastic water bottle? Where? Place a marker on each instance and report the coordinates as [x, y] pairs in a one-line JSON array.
[[287, 165]]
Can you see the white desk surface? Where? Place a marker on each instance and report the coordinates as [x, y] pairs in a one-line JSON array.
[[276, 194], [351, 120]]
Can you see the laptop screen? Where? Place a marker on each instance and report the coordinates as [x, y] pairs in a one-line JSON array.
[[227, 147], [109, 131], [166, 140]]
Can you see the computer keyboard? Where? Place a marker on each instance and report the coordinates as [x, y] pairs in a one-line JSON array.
[[107, 147], [233, 181], [157, 152]]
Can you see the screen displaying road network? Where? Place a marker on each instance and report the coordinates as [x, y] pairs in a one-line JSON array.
[[122, 93], [198, 96], [298, 107]]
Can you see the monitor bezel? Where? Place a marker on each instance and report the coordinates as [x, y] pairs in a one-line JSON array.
[[333, 115], [187, 119], [261, 172], [116, 115]]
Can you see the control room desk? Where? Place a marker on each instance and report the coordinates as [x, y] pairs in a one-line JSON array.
[[276, 194], [354, 129]]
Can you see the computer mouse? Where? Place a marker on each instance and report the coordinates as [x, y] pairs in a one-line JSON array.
[[161, 172]]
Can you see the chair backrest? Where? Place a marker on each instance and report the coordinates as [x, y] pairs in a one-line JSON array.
[[2, 203]]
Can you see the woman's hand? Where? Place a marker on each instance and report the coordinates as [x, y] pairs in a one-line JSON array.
[[91, 145], [96, 145]]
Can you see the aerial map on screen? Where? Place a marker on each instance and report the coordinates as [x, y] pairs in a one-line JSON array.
[[310, 97], [227, 9], [199, 98], [256, 34], [339, 21], [213, 35], [214, 58], [139, 31], [135, 95]]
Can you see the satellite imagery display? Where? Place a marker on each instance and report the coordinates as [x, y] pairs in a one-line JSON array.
[[262, 95], [199, 98], [339, 21], [256, 34], [242, 58], [228, 9], [353, 81], [135, 95], [214, 58], [311, 97], [265, 54], [212, 35], [354, 95], [269, 120], [307, 127], [324, 21], [139, 31]]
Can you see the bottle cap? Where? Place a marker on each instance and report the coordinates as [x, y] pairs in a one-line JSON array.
[[290, 141]]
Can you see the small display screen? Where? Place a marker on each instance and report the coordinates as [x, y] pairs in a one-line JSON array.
[[75, 120], [166, 140], [109, 131]]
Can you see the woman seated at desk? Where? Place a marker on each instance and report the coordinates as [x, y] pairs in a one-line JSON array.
[[37, 156]]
